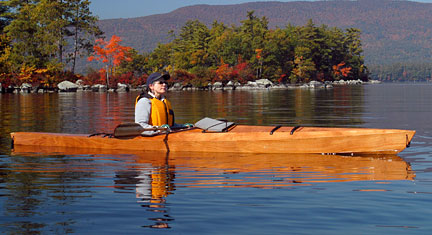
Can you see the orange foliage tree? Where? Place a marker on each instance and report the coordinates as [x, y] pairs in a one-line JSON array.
[[111, 53], [223, 73], [340, 71]]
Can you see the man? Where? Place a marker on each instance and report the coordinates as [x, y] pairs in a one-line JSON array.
[[152, 109]]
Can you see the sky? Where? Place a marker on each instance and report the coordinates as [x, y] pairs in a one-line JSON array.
[[110, 9]]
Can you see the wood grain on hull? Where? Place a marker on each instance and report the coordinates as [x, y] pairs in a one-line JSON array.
[[241, 139]]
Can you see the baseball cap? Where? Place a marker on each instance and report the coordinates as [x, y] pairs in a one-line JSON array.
[[156, 77]]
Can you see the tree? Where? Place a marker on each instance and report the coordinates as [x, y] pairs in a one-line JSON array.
[[224, 45], [5, 51], [49, 31], [4, 40], [22, 30], [82, 28], [161, 58], [341, 71], [190, 48], [304, 69], [4, 16], [111, 53], [217, 41], [354, 59], [251, 51], [138, 64], [279, 47], [41, 30], [35, 31], [253, 32]]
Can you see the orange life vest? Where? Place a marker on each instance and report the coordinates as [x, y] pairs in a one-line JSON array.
[[161, 111]]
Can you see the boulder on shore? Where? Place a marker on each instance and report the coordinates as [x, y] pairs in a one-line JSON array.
[[99, 88], [217, 86], [122, 87], [67, 86], [264, 83], [251, 84], [177, 86], [25, 88]]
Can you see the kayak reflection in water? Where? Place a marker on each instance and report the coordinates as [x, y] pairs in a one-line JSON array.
[[152, 109]]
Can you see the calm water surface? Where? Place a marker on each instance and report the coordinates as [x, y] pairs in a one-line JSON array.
[[51, 190]]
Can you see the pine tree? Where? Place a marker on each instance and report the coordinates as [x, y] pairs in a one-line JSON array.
[[42, 29], [82, 28]]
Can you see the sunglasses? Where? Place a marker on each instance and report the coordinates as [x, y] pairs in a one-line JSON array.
[[161, 82]]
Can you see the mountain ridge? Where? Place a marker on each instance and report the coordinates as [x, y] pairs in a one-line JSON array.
[[392, 31]]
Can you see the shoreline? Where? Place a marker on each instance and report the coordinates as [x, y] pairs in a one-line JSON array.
[[262, 84]]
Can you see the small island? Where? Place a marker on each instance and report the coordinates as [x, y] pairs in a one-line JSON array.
[[220, 57]]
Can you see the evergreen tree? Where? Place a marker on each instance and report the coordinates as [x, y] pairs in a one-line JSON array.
[[82, 28], [4, 40], [4, 16], [41, 29], [279, 47], [22, 30], [253, 33], [354, 50], [190, 48]]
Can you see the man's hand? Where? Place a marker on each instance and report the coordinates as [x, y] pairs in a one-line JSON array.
[[188, 125]]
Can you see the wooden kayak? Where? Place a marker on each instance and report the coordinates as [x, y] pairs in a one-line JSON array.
[[240, 139]]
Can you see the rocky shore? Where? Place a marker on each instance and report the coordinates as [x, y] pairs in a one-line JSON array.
[[260, 84]]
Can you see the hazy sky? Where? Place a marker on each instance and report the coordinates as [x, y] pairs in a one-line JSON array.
[[108, 9]]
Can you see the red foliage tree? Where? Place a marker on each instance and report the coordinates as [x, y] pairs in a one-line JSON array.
[[111, 53]]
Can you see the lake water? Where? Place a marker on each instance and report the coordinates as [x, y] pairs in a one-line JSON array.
[[79, 191]]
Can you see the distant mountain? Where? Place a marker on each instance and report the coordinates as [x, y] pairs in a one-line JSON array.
[[392, 31]]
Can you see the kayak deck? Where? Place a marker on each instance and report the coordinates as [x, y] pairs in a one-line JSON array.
[[240, 139]]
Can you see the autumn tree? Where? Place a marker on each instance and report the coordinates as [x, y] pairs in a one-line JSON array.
[[111, 53], [341, 71]]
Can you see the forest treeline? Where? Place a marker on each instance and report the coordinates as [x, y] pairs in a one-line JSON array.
[[401, 72], [392, 31], [294, 54], [41, 40]]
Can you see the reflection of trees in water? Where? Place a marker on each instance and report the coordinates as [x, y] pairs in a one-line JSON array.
[[90, 112], [340, 106], [151, 184], [81, 112]]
